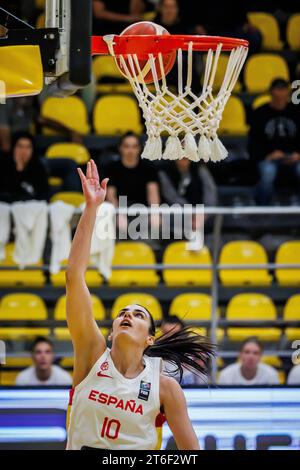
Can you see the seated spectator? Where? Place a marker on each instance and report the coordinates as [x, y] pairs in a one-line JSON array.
[[113, 16], [168, 16], [43, 372], [183, 182], [132, 177], [170, 325], [294, 376], [16, 115], [249, 370], [274, 140], [22, 174]]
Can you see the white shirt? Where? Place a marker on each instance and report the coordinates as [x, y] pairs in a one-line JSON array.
[[265, 375], [110, 411], [294, 376], [58, 377]]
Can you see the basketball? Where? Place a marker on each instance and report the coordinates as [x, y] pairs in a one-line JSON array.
[[148, 28]]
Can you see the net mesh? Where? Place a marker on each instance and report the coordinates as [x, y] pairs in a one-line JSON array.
[[190, 121]]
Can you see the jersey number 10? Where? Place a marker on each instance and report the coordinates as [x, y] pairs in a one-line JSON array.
[[110, 428]]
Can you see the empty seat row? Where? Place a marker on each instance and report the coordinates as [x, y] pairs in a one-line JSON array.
[[176, 254], [187, 306]]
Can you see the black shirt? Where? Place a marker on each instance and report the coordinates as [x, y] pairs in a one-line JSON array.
[[273, 129], [132, 182], [102, 27], [31, 183]]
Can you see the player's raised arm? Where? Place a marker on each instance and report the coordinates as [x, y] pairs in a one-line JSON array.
[[87, 339]]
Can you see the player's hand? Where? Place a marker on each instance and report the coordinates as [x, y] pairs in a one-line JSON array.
[[94, 191]]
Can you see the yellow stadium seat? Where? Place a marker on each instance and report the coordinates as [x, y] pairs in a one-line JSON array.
[[69, 197], [220, 362], [220, 74], [54, 181], [248, 307], [67, 362], [8, 377], [262, 69], [20, 362], [199, 330], [116, 114], [146, 300], [234, 118], [19, 277], [22, 333], [92, 277], [77, 152], [40, 4], [133, 253], [288, 253], [63, 334], [292, 32], [70, 112], [98, 308], [149, 15], [192, 306], [176, 253], [22, 307], [261, 100], [244, 252], [273, 361], [269, 28], [281, 376], [292, 313], [108, 77]]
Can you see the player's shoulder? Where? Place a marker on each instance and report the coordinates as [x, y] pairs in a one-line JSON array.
[[168, 384]]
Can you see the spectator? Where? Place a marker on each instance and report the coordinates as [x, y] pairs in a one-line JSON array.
[[274, 140], [168, 16], [132, 177], [294, 376], [183, 182], [113, 16], [43, 372], [22, 174], [249, 370], [172, 324]]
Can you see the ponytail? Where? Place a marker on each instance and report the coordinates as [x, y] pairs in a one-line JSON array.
[[185, 349]]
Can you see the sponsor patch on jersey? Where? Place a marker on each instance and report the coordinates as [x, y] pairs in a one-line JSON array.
[[144, 390]]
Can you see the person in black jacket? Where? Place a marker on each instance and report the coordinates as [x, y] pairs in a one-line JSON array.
[[23, 176], [274, 140]]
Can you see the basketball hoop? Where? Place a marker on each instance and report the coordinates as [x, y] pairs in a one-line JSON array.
[[182, 115]]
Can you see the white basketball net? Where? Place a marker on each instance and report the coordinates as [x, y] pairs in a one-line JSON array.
[[183, 116]]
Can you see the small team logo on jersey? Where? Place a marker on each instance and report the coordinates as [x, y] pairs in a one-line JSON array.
[[103, 367], [144, 390]]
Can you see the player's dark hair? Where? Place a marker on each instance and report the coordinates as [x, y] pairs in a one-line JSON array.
[[173, 320], [185, 349], [252, 339], [38, 340]]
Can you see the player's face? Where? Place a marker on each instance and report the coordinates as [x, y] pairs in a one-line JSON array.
[[130, 147], [250, 355], [133, 322], [43, 356]]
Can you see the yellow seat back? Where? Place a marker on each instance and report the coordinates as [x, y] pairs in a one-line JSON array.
[[176, 253], [292, 308], [115, 115], [133, 253], [98, 308], [234, 118], [69, 197], [288, 253], [262, 69], [261, 100], [251, 307], [269, 28], [22, 333], [244, 252], [19, 277], [77, 152], [220, 74], [92, 277], [192, 306], [19, 306], [146, 300], [70, 112], [292, 32]]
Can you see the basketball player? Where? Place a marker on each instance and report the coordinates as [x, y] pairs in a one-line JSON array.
[[119, 398]]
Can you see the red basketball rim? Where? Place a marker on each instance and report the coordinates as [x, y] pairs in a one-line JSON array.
[[142, 45]]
